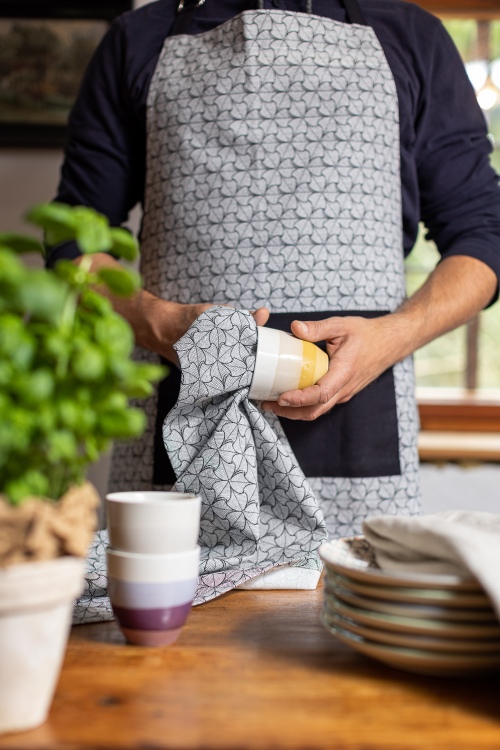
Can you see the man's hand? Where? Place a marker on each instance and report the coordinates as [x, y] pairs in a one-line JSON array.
[[166, 322], [360, 349], [157, 323]]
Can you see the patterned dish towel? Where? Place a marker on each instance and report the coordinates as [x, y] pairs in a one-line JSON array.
[[260, 524]]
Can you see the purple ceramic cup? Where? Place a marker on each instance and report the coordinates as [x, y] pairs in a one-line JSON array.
[[152, 595]]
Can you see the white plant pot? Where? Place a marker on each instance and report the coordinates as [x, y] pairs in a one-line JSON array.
[[36, 602]]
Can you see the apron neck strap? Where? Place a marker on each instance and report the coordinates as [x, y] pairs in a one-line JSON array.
[[187, 8], [353, 12], [184, 15]]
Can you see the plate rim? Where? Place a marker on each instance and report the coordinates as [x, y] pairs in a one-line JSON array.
[[454, 615], [384, 636], [425, 627], [451, 599], [420, 580], [408, 662]]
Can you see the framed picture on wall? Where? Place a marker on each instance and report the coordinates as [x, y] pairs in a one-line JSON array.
[[44, 50]]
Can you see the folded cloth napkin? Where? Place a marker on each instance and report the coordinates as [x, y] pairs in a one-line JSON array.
[[261, 523], [456, 542]]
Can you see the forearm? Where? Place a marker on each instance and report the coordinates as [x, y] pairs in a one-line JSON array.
[[457, 289], [360, 349], [157, 323]]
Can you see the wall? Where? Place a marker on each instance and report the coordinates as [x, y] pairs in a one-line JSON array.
[[29, 176]]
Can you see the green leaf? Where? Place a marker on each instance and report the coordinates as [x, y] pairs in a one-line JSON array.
[[123, 425], [21, 243], [42, 295], [114, 333], [91, 449], [114, 401], [124, 244], [55, 345], [34, 387], [96, 303], [46, 418], [61, 446], [138, 388], [12, 272], [56, 219], [151, 372], [69, 413], [139, 384], [32, 483], [119, 281], [92, 231], [6, 372], [74, 275], [16, 343], [88, 364], [21, 424]]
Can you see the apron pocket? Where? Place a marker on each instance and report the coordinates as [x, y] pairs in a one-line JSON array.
[[356, 439]]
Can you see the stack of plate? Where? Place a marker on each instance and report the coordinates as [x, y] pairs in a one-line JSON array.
[[419, 623]]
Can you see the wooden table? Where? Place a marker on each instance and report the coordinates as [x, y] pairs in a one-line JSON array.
[[255, 670]]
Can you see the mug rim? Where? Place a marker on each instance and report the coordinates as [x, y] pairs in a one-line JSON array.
[[152, 497]]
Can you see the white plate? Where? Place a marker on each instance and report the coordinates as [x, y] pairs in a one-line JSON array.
[[428, 643], [420, 611], [442, 597], [353, 557], [417, 660], [410, 625]]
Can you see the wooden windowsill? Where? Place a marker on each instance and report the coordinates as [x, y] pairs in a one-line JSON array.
[[459, 424], [459, 410], [459, 446]]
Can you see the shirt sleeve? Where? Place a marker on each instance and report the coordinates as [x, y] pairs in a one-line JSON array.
[[459, 190], [104, 158]]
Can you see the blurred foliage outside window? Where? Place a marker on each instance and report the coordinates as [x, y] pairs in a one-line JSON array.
[[443, 363]]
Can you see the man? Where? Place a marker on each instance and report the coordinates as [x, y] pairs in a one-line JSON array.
[[284, 155]]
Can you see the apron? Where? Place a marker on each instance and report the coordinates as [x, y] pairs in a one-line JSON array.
[[273, 178]]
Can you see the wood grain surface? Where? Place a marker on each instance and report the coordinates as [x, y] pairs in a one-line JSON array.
[[255, 670]]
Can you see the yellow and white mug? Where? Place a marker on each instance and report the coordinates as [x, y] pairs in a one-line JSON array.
[[284, 363]]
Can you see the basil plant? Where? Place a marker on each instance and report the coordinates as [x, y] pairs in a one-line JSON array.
[[66, 373]]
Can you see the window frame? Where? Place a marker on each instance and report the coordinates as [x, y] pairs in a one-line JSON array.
[[460, 412], [478, 9]]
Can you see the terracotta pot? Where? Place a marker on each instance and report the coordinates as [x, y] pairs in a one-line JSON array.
[[36, 602]]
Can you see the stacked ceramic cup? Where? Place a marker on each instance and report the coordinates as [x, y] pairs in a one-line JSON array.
[[153, 561]]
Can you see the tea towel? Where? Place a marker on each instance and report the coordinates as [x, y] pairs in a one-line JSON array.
[[258, 511], [261, 523]]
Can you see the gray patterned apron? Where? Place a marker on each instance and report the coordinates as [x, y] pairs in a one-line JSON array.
[[273, 178]]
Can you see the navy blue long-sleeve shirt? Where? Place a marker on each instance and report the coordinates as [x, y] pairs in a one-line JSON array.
[[446, 178]]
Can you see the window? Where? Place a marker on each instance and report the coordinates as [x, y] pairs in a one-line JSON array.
[[458, 376]]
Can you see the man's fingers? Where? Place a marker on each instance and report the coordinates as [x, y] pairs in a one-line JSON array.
[[305, 413], [311, 396], [261, 316]]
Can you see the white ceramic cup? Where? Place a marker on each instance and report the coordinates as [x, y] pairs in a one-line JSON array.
[[284, 363], [153, 523]]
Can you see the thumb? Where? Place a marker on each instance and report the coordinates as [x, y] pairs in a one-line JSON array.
[[309, 330], [327, 329]]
